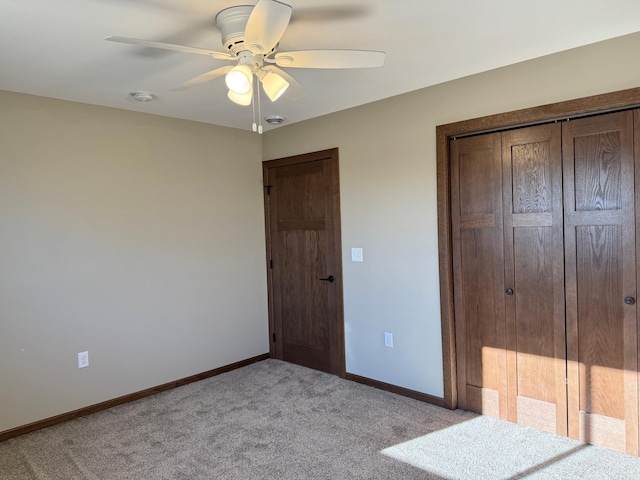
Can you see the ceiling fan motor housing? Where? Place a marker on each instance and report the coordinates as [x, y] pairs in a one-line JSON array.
[[232, 22]]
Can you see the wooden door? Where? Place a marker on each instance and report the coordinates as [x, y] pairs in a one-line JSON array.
[[305, 269], [477, 239], [600, 275], [534, 277]]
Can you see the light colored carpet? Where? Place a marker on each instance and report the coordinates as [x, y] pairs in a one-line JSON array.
[[274, 420], [486, 448]]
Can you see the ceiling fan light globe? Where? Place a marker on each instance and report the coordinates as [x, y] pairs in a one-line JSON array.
[[274, 85], [239, 79], [241, 99]]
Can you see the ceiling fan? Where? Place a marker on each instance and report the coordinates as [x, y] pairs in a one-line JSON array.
[[251, 36]]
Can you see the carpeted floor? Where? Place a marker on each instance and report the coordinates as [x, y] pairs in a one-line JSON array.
[[274, 420]]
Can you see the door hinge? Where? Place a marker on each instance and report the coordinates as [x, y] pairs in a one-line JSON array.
[[268, 187], [274, 338], [566, 381], [271, 263]]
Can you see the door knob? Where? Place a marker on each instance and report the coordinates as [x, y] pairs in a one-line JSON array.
[[329, 279], [509, 291], [629, 300]]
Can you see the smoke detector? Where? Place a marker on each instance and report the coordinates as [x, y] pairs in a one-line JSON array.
[[274, 119], [143, 97]]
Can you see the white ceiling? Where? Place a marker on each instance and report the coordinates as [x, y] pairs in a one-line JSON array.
[[55, 48]]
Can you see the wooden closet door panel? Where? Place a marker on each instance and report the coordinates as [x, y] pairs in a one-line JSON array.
[[534, 269], [476, 186], [600, 274], [633, 381]]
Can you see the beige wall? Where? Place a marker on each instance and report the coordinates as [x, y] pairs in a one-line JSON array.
[[136, 237], [388, 195], [141, 238]]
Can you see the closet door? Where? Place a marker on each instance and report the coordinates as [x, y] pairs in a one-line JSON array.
[[477, 239], [534, 277], [601, 281]]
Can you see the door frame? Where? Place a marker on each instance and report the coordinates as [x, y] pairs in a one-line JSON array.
[[331, 155], [603, 103]]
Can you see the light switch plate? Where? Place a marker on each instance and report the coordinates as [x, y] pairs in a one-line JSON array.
[[356, 255]]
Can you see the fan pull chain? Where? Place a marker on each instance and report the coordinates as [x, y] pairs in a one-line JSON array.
[[259, 112], [253, 106]]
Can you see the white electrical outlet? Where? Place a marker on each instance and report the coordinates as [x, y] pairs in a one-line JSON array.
[[388, 339], [83, 359]]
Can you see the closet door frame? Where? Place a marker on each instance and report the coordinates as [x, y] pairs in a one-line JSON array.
[[444, 133]]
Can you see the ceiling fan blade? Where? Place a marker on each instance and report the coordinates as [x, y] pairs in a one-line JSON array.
[[170, 46], [266, 25], [205, 77], [330, 59], [295, 90], [188, 35]]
